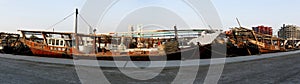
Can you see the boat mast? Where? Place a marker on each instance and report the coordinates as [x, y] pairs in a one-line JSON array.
[[76, 30], [176, 33], [237, 19], [76, 20], [255, 37]]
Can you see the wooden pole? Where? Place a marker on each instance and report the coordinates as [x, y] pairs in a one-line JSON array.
[[76, 20], [239, 22], [176, 33], [76, 26]]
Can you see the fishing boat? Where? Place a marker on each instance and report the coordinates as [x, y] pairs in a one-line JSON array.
[[42, 43], [291, 44], [135, 45], [8, 42], [268, 43], [158, 45], [150, 45], [243, 41]]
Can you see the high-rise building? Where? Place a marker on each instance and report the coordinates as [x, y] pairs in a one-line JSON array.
[[289, 32]]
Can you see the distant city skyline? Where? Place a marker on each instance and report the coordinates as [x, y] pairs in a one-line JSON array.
[[40, 15]]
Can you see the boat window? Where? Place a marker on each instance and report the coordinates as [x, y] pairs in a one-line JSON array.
[[52, 41], [61, 43], [49, 41], [57, 42]]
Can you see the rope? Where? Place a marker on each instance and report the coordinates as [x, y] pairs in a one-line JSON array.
[[61, 21], [85, 21]]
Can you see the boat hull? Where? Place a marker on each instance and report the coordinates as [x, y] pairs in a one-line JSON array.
[[195, 52], [46, 53], [184, 54]]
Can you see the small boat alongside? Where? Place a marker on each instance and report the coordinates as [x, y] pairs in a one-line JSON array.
[[8, 42]]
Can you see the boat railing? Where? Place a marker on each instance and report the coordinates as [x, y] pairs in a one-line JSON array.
[[57, 48], [44, 46]]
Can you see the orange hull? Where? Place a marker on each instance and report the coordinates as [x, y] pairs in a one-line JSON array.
[[46, 53], [38, 49]]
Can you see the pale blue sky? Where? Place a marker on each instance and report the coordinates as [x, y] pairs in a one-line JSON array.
[[35, 14], [259, 12], [41, 14]]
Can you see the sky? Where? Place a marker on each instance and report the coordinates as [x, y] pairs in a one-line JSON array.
[[36, 14], [41, 14], [251, 13]]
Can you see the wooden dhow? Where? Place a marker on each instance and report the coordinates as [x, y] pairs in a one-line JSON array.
[[161, 45]]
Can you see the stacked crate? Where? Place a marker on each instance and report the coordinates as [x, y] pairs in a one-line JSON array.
[[263, 30]]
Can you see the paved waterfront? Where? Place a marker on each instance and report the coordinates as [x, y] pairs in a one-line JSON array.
[[272, 70]]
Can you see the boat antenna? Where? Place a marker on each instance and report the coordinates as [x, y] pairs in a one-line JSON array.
[[237, 19]]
